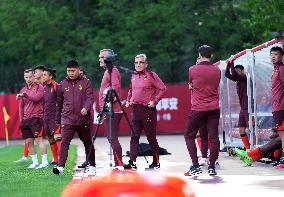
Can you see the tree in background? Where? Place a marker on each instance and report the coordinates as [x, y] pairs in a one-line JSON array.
[[53, 31], [262, 18]]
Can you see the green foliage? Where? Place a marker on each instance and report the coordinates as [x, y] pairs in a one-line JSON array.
[[263, 17], [17, 180], [52, 32]]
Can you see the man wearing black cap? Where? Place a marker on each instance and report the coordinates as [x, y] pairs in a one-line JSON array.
[[73, 113]]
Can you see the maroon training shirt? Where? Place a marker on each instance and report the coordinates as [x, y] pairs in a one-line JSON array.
[[278, 87], [49, 109], [31, 105], [205, 78], [72, 97], [145, 87], [241, 84], [105, 84]]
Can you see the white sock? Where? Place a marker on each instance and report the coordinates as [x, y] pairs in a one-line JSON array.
[[44, 158], [34, 159]]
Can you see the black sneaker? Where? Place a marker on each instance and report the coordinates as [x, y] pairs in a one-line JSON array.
[[84, 165], [130, 165], [211, 171], [153, 166], [58, 170], [193, 171]]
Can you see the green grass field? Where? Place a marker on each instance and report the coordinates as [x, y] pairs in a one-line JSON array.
[[17, 180]]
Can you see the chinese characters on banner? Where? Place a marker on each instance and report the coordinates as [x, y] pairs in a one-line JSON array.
[[172, 113], [164, 108]]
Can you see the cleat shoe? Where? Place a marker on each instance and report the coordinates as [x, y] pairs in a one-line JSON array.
[[203, 161], [131, 165], [248, 160], [240, 153], [84, 165], [33, 165], [58, 170], [22, 159], [153, 166], [244, 156], [43, 165], [280, 164], [211, 171], [193, 171]]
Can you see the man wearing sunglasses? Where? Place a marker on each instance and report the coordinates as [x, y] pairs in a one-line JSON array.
[[145, 92]]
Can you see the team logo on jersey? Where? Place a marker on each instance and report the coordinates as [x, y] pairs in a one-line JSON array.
[[67, 89], [145, 77], [80, 87]]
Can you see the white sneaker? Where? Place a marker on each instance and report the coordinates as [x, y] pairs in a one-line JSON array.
[[22, 159], [91, 170], [43, 165], [118, 168], [203, 161], [58, 170], [33, 165]]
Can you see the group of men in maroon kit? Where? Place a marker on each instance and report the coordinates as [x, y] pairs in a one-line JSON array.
[[37, 114], [61, 110]]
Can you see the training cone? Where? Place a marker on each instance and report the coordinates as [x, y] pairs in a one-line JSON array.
[[130, 185]]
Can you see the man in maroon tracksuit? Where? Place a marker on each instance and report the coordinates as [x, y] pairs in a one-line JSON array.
[[31, 113], [37, 72], [73, 113], [238, 75], [51, 130], [276, 55], [145, 92], [105, 85], [204, 79]]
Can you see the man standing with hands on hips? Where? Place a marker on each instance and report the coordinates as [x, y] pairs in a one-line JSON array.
[[145, 92]]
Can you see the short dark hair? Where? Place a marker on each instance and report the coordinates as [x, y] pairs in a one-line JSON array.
[[51, 72], [39, 67], [73, 64], [28, 70], [240, 66], [205, 51], [275, 49]]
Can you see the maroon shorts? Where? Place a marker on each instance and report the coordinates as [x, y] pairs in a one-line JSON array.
[[50, 127], [32, 128], [278, 117]]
